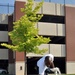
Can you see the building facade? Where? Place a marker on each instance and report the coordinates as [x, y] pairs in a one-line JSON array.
[[57, 23]]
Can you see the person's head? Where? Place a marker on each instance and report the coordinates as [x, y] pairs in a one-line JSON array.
[[47, 61]]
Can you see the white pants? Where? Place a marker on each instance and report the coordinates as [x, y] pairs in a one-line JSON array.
[[56, 70]]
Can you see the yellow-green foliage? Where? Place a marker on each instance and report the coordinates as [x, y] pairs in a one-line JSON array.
[[24, 35]]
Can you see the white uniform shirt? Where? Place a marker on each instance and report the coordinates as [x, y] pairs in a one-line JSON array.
[[41, 64]]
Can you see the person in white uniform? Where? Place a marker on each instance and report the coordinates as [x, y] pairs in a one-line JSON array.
[[45, 64]]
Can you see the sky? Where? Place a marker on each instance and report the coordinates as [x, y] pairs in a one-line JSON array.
[[64, 1], [7, 6], [11, 2], [59, 1]]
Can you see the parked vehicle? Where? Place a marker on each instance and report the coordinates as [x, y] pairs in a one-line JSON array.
[[3, 71]]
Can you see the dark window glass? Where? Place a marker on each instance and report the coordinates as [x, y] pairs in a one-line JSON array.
[[4, 64], [2, 47], [53, 19], [58, 61], [32, 62], [3, 27], [56, 39]]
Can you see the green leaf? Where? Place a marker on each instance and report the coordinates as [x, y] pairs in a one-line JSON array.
[[24, 35]]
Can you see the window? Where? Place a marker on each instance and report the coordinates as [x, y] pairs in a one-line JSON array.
[[2, 47], [3, 27], [56, 39], [58, 61], [53, 19]]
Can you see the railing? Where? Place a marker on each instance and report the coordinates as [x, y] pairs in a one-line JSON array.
[[72, 2], [54, 1], [6, 8]]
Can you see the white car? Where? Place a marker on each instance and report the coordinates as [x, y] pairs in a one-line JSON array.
[[3, 71]]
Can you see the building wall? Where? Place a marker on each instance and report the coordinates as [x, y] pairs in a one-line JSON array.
[[11, 66], [3, 19], [56, 29], [48, 28], [51, 9], [3, 54], [19, 56], [6, 55], [51, 29], [3, 37], [70, 42]]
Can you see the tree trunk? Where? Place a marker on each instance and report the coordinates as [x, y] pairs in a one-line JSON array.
[[25, 72]]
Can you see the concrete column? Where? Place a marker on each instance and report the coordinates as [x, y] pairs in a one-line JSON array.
[[70, 39], [11, 66], [20, 67], [20, 63], [20, 56]]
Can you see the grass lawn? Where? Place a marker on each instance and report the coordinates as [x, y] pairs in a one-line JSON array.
[[62, 74], [68, 74]]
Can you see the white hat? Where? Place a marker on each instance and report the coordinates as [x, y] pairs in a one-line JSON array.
[[50, 59]]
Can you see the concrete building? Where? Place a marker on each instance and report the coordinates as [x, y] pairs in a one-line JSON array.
[[57, 23]]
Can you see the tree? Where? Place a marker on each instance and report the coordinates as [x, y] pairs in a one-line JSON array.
[[24, 35]]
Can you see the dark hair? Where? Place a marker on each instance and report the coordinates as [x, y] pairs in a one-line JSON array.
[[47, 61]]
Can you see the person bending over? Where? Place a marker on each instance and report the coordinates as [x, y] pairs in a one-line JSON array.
[[46, 65]]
